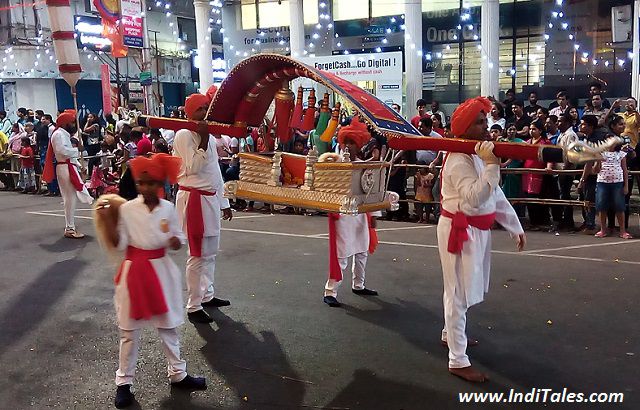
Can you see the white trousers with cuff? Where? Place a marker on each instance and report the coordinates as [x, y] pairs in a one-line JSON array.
[[358, 266], [454, 332], [69, 196], [130, 346], [200, 274]]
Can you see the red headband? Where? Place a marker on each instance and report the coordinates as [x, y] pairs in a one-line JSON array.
[[193, 102]]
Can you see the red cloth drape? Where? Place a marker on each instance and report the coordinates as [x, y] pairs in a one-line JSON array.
[[334, 266], [195, 222], [145, 291], [459, 224]]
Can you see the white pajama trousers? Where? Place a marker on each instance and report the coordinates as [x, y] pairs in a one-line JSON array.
[[357, 274], [200, 274], [130, 346], [454, 332], [69, 196]]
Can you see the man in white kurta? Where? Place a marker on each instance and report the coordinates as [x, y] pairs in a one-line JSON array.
[[67, 171], [200, 176], [470, 192]]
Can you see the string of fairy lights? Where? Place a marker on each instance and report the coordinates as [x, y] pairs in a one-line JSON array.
[[323, 36]]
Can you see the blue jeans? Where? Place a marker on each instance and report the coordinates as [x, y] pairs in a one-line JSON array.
[[610, 196]]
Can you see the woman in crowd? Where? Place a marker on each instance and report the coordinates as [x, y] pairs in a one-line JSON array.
[[437, 124], [575, 118], [496, 116], [512, 183], [92, 137], [533, 182]]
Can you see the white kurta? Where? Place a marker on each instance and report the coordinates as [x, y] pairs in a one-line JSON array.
[[143, 229], [63, 151], [472, 188], [352, 234], [200, 170]]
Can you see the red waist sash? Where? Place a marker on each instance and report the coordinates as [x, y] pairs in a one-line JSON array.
[[146, 297], [195, 222], [459, 224], [334, 266]]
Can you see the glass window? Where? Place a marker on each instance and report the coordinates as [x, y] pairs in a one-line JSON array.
[[248, 12], [350, 9], [380, 8], [273, 14]]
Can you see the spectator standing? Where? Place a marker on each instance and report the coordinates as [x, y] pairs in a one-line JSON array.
[[531, 109], [437, 123], [421, 106], [567, 137], [575, 118], [27, 181], [91, 137], [435, 109], [43, 136], [521, 121], [423, 183], [562, 104], [512, 183], [22, 116], [15, 145], [5, 123], [542, 115], [588, 180], [596, 89], [597, 109], [425, 157], [551, 126], [496, 116], [508, 102], [612, 186], [532, 182]]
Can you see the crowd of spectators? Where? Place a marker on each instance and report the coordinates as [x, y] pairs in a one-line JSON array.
[[110, 142]]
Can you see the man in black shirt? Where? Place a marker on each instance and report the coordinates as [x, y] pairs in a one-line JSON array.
[[596, 89], [43, 132], [511, 97], [521, 120], [588, 181], [533, 106]]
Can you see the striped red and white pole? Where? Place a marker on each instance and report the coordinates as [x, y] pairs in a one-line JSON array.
[[64, 42]]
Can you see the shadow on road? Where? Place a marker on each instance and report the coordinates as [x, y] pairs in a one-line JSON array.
[[256, 368], [31, 306], [65, 244]]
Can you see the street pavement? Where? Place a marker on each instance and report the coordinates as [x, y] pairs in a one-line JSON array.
[[564, 314]]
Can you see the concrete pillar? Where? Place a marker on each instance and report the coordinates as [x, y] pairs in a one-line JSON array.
[[296, 28], [203, 42], [489, 41], [635, 61], [149, 101], [412, 53]]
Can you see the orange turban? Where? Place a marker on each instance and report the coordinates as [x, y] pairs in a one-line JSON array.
[[144, 146], [160, 167], [211, 92], [67, 117], [467, 113], [356, 132], [193, 102]]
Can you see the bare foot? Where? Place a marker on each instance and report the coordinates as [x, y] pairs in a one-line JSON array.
[[469, 374]]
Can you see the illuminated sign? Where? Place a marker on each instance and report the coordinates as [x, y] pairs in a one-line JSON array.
[[89, 34]]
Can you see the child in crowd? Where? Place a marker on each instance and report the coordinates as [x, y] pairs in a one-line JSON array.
[[148, 291], [423, 184], [27, 181], [611, 188], [495, 132]]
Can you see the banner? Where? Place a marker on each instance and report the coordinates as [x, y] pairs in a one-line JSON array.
[[131, 21], [106, 89]]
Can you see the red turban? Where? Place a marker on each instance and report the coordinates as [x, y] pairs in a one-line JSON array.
[[67, 117], [211, 92], [356, 132], [144, 146], [467, 113], [160, 167], [193, 102]]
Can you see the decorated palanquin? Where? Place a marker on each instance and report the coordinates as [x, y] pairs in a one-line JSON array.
[[245, 97]]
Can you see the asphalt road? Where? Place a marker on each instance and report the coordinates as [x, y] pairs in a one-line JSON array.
[[562, 315]]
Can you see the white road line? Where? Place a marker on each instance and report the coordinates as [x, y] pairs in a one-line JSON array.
[[405, 228], [407, 244], [252, 216], [590, 245]]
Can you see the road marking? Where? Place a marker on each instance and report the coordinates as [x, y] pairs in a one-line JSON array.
[[252, 216], [405, 228], [590, 245], [407, 244]]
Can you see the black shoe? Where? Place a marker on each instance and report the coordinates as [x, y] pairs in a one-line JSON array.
[[124, 397], [215, 302], [191, 383], [332, 301], [365, 292], [199, 316]]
